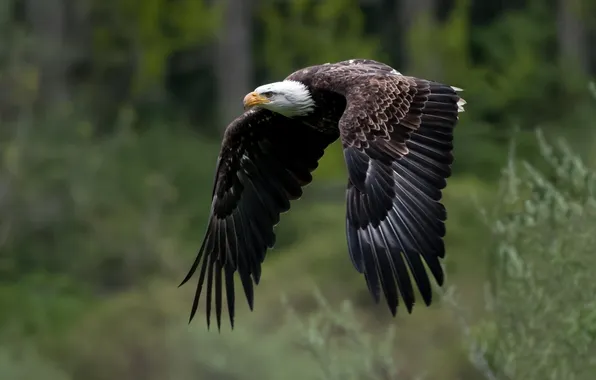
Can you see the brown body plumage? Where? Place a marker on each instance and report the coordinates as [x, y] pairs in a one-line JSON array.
[[397, 134]]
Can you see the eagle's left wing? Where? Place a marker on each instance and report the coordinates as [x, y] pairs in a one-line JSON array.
[[397, 134]]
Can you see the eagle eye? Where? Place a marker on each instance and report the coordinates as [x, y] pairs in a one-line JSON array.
[[267, 94]]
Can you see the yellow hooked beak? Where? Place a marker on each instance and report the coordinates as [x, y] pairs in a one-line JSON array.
[[253, 99]]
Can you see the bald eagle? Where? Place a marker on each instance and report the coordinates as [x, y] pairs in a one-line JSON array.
[[396, 132]]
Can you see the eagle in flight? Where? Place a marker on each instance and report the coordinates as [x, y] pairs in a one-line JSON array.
[[397, 138]]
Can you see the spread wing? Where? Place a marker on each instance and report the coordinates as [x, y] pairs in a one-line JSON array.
[[397, 134], [264, 162]]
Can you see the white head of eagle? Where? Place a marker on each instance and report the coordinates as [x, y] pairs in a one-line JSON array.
[[289, 98]]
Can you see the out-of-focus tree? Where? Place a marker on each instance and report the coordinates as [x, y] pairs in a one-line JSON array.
[[233, 61], [572, 34], [48, 23], [418, 15], [316, 31], [133, 40]]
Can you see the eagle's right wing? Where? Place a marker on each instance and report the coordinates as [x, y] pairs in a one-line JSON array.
[[397, 134], [264, 162]]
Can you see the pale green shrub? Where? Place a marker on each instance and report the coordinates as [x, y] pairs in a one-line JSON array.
[[543, 257]]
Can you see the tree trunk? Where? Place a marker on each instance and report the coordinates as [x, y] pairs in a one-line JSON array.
[[572, 36], [410, 12], [47, 18], [233, 60]]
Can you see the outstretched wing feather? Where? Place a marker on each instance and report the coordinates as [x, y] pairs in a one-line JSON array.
[[264, 162], [397, 134]]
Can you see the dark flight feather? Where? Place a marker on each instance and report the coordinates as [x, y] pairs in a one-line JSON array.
[[397, 168], [397, 136], [265, 161]]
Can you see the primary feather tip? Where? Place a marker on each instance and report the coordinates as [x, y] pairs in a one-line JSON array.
[[461, 102]]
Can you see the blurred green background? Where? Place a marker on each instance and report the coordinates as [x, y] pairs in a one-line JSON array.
[[111, 115]]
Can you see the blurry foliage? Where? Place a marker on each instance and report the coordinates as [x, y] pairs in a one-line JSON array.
[[23, 362], [543, 313], [62, 180], [317, 31], [505, 69], [147, 33], [41, 304], [342, 346]]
